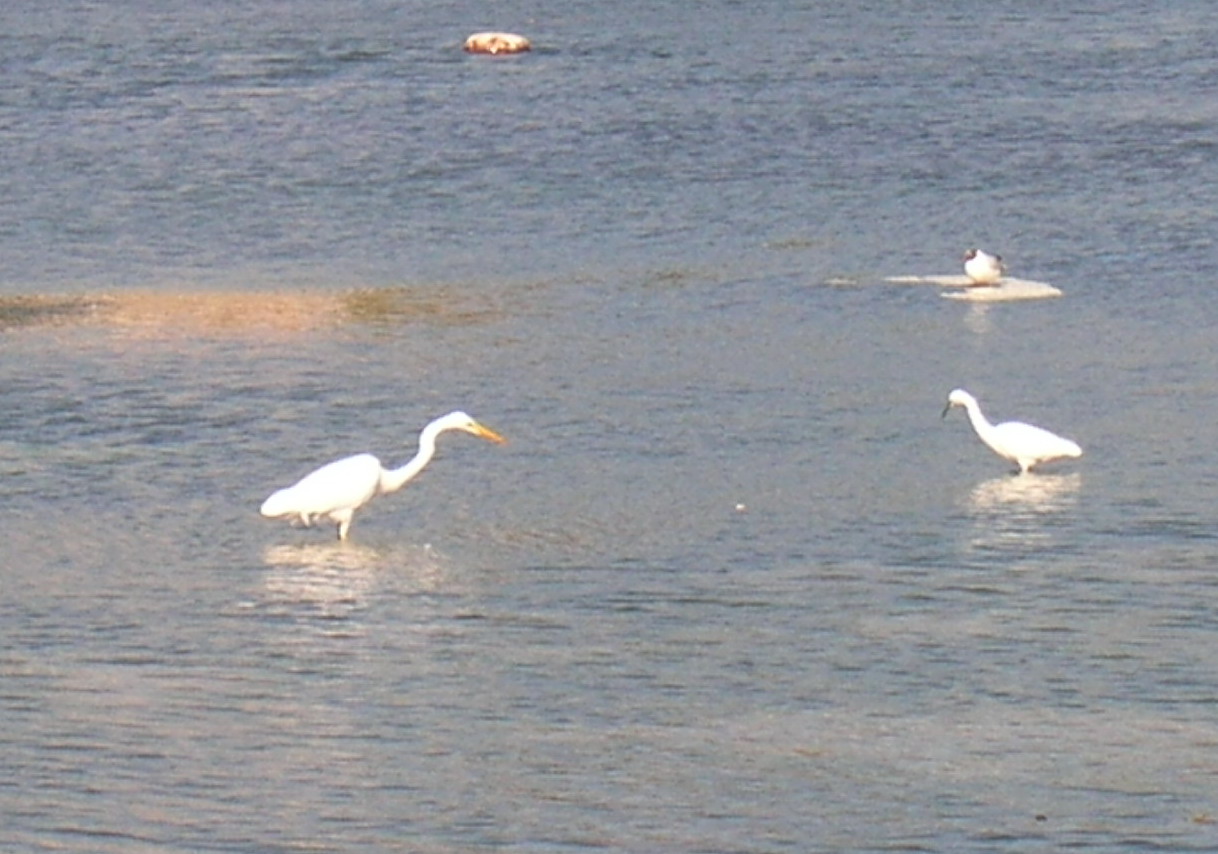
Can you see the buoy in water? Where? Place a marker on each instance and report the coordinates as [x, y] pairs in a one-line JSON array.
[[496, 43]]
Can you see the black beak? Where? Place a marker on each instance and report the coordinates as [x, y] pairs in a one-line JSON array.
[[946, 409]]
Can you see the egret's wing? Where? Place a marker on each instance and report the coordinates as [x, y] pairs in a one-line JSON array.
[[349, 482], [1028, 440]]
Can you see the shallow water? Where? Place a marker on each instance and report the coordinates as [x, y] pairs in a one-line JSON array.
[[732, 585]]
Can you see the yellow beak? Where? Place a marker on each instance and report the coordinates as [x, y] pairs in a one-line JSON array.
[[487, 433]]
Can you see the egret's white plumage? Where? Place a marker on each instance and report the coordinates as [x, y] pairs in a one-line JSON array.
[[336, 490], [983, 268], [1022, 444]]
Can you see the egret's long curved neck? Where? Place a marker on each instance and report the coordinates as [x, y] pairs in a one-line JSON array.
[[980, 423], [394, 479]]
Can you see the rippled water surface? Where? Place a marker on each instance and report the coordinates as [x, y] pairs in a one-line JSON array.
[[732, 584]]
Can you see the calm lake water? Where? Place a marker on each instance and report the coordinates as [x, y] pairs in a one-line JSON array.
[[732, 585]]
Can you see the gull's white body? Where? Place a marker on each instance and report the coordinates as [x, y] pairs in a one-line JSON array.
[[1023, 444], [983, 268], [336, 490]]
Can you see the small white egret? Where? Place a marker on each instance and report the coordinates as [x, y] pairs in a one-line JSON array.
[[336, 490], [983, 268], [1022, 444]]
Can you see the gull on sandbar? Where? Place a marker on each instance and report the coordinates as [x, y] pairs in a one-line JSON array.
[[983, 268]]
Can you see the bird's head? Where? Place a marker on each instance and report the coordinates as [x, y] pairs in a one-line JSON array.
[[970, 255], [461, 421], [957, 397]]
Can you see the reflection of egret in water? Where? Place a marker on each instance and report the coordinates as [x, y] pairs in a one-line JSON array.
[[338, 580], [330, 556], [1030, 494], [1020, 510], [334, 582]]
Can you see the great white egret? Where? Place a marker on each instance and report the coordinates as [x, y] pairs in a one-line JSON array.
[[983, 268], [336, 490], [1022, 444]]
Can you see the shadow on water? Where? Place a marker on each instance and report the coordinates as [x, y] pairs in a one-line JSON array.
[[17, 312], [222, 313]]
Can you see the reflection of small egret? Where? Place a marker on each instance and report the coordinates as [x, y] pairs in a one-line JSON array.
[[336, 490], [1019, 513], [1022, 444], [1044, 493]]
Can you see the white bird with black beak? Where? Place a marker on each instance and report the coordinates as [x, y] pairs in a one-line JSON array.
[[983, 268], [1023, 444]]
